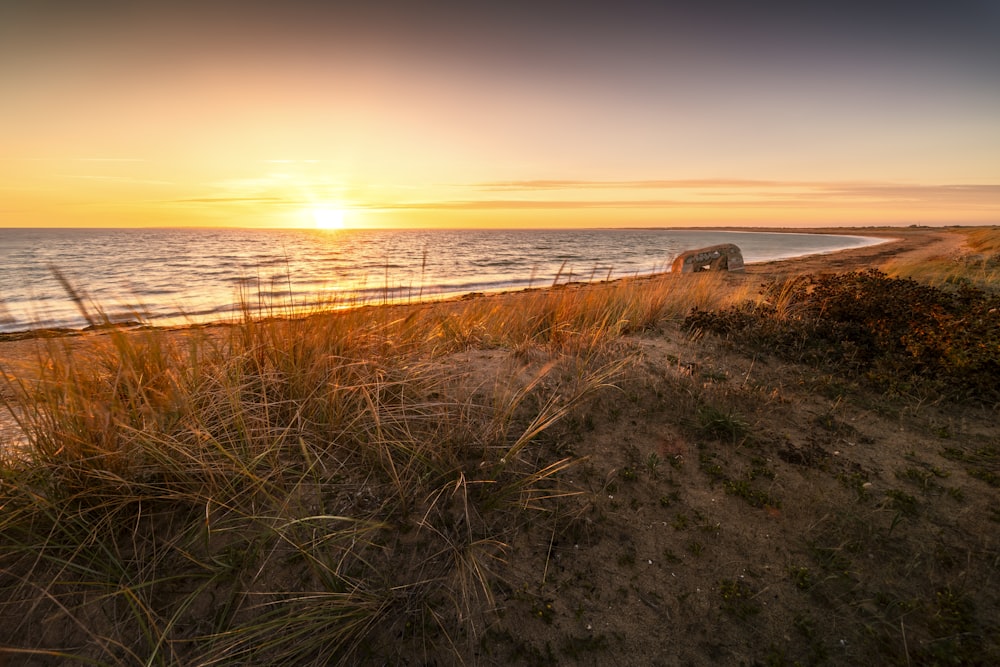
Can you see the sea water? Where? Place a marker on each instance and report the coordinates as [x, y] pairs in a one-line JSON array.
[[49, 277]]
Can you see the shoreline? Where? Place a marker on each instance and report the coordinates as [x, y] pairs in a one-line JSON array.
[[898, 243], [45, 332]]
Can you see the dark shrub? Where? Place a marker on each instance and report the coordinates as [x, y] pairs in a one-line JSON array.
[[898, 333]]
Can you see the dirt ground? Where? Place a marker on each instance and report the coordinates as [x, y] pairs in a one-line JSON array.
[[741, 510]]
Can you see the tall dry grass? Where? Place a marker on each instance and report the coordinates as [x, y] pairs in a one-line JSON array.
[[978, 264], [299, 489]]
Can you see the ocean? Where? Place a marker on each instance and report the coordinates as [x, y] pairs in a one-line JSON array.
[[178, 276]]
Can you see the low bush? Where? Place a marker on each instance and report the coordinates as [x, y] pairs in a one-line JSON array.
[[901, 335]]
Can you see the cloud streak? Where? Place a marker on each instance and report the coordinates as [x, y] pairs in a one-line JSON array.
[[835, 187], [116, 179], [720, 193], [554, 184], [548, 204], [688, 194], [237, 200]]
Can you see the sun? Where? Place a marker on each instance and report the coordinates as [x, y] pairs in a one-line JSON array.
[[328, 218]]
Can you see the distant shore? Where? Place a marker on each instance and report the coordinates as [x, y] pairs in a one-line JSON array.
[[901, 243]]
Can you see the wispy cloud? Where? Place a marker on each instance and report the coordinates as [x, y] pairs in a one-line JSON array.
[[486, 204], [286, 189], [729, 192], [679, 194], [283, 201], [670, 184], [72, 159], [109, 159], [116, 179], [845, 188], [915, 192]]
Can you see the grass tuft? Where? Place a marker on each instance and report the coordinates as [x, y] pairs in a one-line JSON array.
[[298, 488]]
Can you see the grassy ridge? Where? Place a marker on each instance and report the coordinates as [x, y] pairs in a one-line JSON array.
[[980, 265], [301, 489]]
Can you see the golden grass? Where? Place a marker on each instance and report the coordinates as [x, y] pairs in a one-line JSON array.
[[979, 263], [300, 489], [986, 240]]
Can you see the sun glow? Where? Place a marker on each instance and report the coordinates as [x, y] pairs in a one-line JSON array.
[[328, 218]]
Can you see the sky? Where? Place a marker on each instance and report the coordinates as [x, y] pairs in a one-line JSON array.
[[488, 114]]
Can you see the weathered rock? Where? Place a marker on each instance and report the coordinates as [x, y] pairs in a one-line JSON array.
[[722, 257]]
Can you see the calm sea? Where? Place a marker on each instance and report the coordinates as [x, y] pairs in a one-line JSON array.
[[169, 276]]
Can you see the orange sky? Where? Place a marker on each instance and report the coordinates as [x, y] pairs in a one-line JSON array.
[[127, 114]]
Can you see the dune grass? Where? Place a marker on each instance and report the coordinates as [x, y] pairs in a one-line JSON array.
[[978, 264], [301, 489]]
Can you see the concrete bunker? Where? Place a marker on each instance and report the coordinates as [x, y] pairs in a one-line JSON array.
[[722, 257]]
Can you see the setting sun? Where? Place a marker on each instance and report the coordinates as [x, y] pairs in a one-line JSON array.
[[328, 218]]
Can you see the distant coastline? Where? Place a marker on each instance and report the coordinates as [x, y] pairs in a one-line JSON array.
[[170, 277]]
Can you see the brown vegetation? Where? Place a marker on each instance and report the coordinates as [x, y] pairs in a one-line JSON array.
[[564, 476]]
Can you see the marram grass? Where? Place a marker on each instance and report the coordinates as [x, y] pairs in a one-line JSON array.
[[978, 263], [299, 490]]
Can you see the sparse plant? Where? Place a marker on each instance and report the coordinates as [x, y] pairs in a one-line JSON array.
[[722, 425], [801, 577], [742, 488], [738, 598], [653, 464], [709, 464], [669, 499], [903, 502], [713, 375]]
